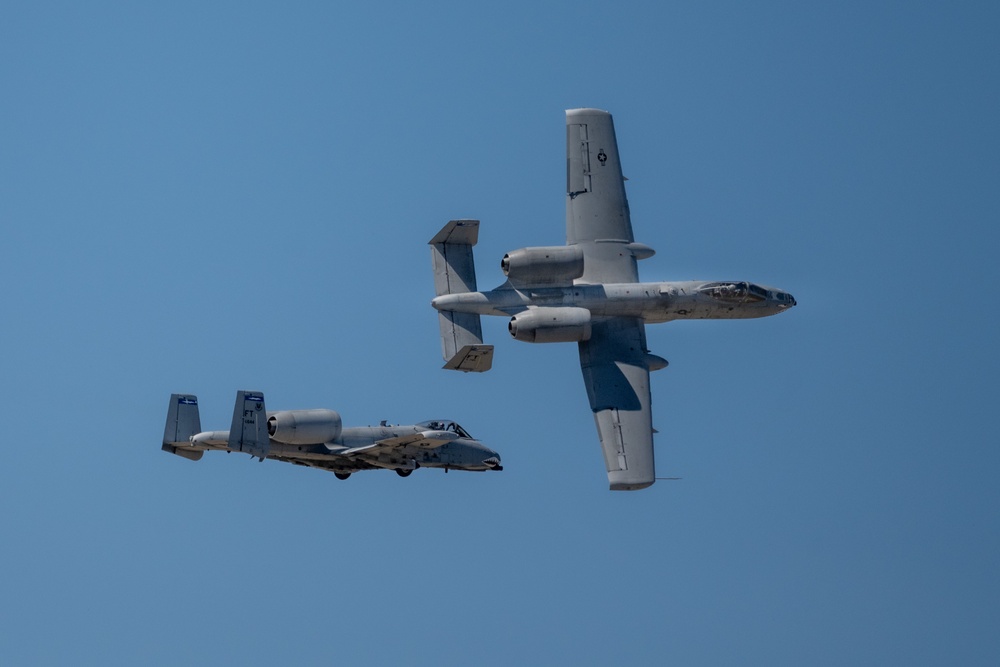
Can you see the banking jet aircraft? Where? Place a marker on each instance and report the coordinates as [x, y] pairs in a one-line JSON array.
[[586, 292], [317, 439]]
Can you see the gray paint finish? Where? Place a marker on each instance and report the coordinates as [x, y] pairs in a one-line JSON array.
[[317, 439], [601, 306]]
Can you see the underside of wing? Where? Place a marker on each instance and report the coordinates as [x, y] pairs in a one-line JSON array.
[[421, 440], [597, 215], [615, 368], [337, 465]]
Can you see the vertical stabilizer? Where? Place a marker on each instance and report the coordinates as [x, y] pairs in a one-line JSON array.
[[455, 273], [183, 421], [248, 432]]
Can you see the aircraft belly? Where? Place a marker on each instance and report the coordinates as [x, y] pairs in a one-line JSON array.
[[635, 300], [628, 309], [500, 301], [701, 308]]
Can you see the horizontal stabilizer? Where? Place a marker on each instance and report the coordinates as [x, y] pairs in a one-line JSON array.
[[461, 336], [455, 273], [183, 421], [190, 454], [451, 255], [471, 358], [458, 232], [249, 430]]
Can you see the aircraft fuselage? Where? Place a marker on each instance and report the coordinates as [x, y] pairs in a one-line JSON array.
[[652, 302], [461, 453]]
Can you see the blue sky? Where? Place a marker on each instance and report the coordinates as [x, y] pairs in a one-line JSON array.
[[239, 196]]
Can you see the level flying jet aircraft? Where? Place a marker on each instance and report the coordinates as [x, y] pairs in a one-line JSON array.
[[317, 439], [586, 292]]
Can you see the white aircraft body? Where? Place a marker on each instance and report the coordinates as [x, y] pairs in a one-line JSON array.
[[587, 292], [317, 439]]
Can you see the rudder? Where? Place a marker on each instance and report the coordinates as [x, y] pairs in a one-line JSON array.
[[183, 421], [248, 432]]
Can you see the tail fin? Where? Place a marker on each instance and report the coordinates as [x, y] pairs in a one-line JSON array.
[[249, 430], [183, 421], [454, 273]]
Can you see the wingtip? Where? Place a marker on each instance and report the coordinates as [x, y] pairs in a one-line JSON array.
[[586, 111], [461, 231], [630, 486]]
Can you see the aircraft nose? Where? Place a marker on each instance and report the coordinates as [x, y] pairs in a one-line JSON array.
[[493, 462], [785, 300]]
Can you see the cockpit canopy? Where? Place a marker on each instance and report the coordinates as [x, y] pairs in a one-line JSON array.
[[445, 425], [744, 292], [740, 292]]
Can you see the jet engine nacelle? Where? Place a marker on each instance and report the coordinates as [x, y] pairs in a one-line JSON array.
[[551, 325], [304, 427], [551, 265]]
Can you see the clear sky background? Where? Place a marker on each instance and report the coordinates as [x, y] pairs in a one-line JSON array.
[[205, 197]]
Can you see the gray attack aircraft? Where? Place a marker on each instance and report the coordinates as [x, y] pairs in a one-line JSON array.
[[317, 439], [586, 292]]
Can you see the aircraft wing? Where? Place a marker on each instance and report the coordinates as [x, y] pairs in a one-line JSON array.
[[332, 465], [616, 372], [423, 440], [597, 215]]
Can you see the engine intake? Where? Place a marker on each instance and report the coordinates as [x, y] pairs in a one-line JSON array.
[[304, 427], [550, 265], [551, 325]]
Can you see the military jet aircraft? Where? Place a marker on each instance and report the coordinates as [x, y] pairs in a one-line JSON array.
[[586, 292], [317, 439]]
